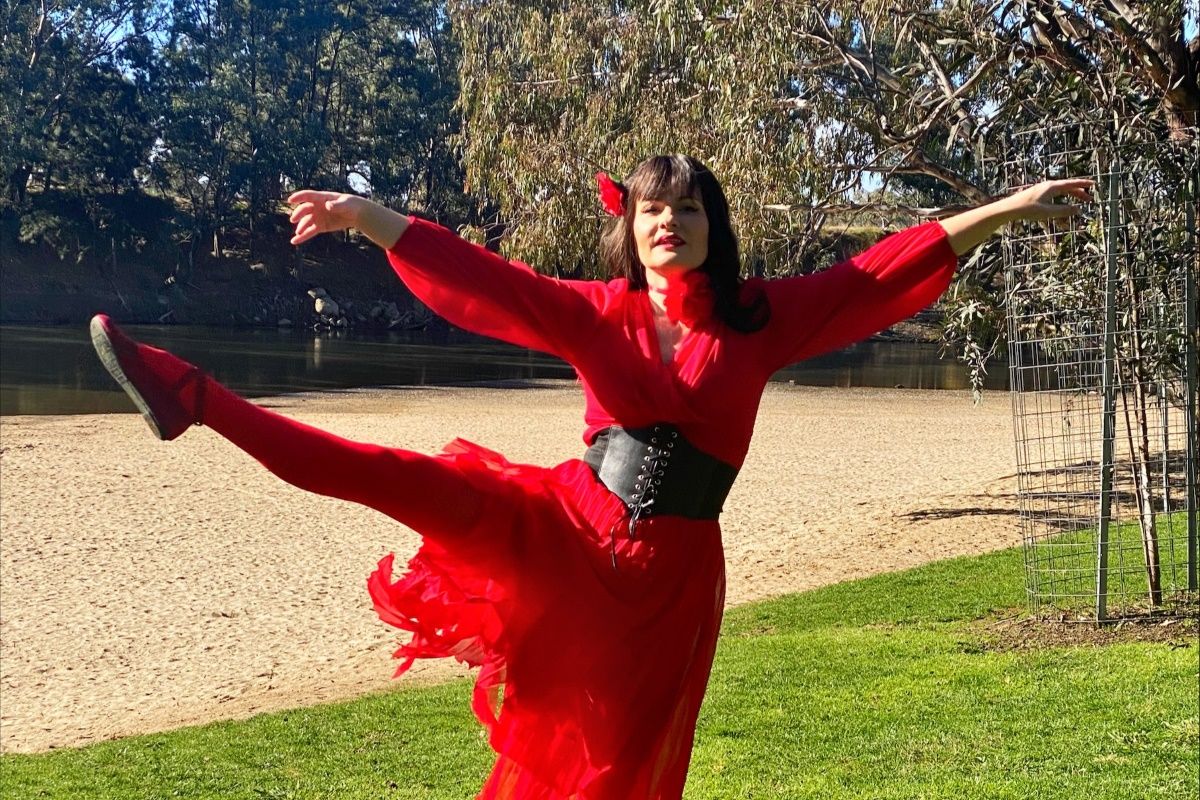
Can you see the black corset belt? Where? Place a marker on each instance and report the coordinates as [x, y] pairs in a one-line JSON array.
[[655, 470]]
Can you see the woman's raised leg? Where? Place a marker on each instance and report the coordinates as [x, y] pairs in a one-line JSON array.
[[426, 493]]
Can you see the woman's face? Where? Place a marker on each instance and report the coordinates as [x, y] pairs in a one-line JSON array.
[[671, 234]]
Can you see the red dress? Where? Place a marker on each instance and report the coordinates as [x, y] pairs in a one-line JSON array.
[[591, 678]]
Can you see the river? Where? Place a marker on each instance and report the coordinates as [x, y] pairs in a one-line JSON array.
[[53, 370]]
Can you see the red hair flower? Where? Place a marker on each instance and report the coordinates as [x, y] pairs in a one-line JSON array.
[[612, 195]]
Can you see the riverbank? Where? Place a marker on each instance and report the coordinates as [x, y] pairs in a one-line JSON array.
[[150, 585], [273, 285]]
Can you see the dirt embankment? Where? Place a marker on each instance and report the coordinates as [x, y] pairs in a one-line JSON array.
[[165, 285]]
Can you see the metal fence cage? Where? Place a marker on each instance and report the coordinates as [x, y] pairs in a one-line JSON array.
[[1102, 357]]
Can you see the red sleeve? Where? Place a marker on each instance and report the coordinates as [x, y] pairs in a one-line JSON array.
[[854, 299], [477, 290]]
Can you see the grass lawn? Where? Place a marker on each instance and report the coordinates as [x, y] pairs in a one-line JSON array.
[[891, 687], [1065, 564]]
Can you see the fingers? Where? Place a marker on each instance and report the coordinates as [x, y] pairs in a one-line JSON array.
[[304, 209], [1059, 210], [1079, 188], [304, 221], [317, 212], [305, 232], [306, 224], [310, 206], [310, 196]]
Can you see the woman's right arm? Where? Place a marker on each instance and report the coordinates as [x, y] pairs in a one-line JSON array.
[[322, 212], [471, 287]]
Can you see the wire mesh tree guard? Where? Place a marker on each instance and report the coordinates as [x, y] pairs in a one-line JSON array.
[[1102, 333]]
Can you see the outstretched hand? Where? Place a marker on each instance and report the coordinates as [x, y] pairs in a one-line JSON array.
[[1036, 202], [322, 212]]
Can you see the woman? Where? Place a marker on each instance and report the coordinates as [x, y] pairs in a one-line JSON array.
[[589, 594]]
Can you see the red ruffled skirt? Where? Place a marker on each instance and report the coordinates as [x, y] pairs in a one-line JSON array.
[[590, 678]]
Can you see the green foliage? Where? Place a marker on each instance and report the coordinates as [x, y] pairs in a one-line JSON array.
[[70, 112], [101, 139], [224, 107], [73, 226], [60, 222], [758, 92], [816, 117]]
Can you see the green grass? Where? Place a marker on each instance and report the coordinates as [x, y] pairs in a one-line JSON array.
[[880, 688], [1066, 567]]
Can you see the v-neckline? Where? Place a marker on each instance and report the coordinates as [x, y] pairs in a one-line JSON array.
[[658, 350]]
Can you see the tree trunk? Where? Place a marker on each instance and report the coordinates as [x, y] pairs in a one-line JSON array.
[[1139, 450], [18, 183], [297, 262], [255, 194], [185, 270]]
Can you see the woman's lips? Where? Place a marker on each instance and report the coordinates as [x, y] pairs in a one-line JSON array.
[[669, 241]]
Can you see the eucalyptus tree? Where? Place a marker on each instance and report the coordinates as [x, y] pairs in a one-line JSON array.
[[254, 98], [1120, 80], [261, 97], [71, 74], [791, 104], [809, 112], [407, 117], [201, 138], [257, 64]]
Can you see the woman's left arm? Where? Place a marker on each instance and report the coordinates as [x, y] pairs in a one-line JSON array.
[[1036, 202], [893, 279]]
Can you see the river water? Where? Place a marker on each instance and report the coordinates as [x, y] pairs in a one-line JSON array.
[[55, 371]]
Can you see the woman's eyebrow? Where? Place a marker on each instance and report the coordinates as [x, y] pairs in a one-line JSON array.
[[680, 199]]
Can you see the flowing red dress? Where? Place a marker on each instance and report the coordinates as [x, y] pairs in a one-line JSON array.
[[591, 678]]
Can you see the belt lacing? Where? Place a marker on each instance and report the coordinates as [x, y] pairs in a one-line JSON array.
[[655, 470], [653, 467]]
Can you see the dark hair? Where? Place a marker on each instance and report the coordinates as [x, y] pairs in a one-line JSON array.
[[683, 176]]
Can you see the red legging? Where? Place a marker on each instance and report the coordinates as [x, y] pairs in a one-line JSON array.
[[425, 493]]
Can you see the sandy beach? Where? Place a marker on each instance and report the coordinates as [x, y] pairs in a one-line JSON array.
[[148, 585]]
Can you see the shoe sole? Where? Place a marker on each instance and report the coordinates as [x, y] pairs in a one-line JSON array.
[[108, 357]]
